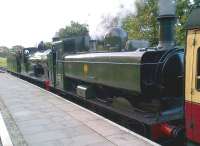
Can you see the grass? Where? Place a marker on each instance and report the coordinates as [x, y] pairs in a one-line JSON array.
[[3, 62]]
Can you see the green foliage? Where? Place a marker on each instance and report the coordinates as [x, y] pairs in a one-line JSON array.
[[3, 51], [45, 45], [17, 48], [144, 24], [3, 62], [74, 29], [48, 45], [182, 12]]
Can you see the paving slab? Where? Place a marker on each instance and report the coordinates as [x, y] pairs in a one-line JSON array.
[[45, 119]]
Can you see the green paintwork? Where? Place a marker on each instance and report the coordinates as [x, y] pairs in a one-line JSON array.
[[66, 46], [50, 68], [13, 62], [118, 69], [58, 68], [25, 65]]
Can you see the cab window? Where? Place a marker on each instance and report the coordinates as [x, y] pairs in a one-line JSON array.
[[198, 70]]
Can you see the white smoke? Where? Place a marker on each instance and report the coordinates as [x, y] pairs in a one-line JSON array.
[[113, 18]]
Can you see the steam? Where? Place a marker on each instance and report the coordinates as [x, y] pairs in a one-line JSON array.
[[113, 19]]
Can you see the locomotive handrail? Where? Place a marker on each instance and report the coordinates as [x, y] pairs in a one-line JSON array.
[[123, 63]]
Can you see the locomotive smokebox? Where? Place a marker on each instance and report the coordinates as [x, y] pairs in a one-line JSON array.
[[167, 19]]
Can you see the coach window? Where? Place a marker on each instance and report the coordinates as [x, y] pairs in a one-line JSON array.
[[198, 70]]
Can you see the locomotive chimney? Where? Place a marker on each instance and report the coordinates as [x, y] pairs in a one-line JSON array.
[[167, 20]]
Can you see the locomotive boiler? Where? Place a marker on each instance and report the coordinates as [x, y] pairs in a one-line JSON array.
[[149, 78]]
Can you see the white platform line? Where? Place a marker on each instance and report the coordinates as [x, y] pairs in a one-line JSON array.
[[5, 137]]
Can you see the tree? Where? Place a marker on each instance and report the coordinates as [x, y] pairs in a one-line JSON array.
[[17, 48], [74, 29], [48, 45], [144, 24], [3, 51], [45, 45], [182, 12]]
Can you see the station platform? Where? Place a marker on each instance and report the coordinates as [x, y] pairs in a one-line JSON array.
[[36, 117]]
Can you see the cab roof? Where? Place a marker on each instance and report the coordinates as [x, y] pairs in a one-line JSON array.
[[193, 19]]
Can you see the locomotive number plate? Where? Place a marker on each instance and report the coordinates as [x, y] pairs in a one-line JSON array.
[[85, 69]]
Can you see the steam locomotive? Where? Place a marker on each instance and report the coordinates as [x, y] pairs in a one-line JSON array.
[[146, 82]]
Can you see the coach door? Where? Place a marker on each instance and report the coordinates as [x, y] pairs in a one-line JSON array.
[[192, 84]]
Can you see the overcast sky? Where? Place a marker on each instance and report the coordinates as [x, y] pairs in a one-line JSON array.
[[26, 22]]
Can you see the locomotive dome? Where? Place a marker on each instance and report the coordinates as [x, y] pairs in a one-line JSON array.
[[116, 38]]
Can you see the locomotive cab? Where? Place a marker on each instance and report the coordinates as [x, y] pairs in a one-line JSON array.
[[26, 53], [61, 48], [39, 64]]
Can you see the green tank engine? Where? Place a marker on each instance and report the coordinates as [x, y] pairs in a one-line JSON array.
[[145, 75]]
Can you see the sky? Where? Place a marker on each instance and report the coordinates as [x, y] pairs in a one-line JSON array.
[[27, 22]]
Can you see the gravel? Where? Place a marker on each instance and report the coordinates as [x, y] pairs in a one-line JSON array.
[[14, 132]]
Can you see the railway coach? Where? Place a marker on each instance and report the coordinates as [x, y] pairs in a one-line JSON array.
[[192, 78]]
